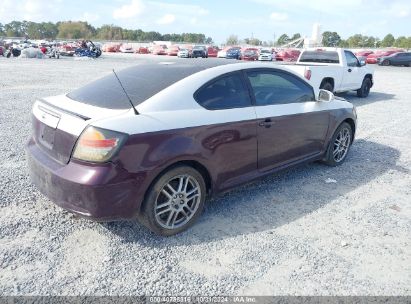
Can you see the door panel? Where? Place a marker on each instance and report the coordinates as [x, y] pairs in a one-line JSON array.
[[295, 131], [352, 74], [291, 125]]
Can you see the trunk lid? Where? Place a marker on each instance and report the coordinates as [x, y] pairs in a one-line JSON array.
[[58, 122]]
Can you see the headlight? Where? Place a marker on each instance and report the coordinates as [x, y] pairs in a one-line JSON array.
[[98, 145]]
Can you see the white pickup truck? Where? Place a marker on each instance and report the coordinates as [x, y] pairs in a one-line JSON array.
[[335, 70]]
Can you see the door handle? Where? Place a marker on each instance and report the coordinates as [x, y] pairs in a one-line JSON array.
[[266, 123], [349, 70]]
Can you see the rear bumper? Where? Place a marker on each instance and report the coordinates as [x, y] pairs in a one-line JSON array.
[[100, 192]]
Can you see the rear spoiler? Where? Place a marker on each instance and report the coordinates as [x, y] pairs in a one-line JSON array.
[[64, 111]]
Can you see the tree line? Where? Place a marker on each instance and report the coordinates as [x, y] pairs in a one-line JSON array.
[[333, 39], [83, 30], [363, 41]]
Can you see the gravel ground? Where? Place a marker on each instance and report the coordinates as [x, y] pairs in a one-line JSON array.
[[288, 234]]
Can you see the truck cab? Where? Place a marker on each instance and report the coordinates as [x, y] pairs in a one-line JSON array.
[[335, 70]]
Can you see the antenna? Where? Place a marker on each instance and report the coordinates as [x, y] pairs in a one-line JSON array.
[[125, 92]]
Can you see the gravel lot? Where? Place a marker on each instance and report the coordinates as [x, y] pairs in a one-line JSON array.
[[289, 234]]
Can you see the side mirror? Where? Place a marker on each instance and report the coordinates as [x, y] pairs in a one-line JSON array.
[[325, 95], [362, 62]]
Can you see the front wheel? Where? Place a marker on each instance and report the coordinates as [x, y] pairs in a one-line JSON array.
[[386, 62], [339, 145], [364, 91], [175, 201]]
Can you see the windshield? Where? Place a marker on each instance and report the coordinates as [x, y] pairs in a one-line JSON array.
[[320, 56]]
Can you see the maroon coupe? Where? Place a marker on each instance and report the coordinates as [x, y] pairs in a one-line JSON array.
[[134, 144]]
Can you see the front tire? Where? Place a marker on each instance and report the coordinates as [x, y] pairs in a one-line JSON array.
[[386, 63], [364, 91], [174, 201], [339, 145]]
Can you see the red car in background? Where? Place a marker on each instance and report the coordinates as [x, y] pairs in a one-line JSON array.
[[159, 50], [287, 55], [111, 48], [363, 53], [173, 50], [249, 54], [142, 50], [212, 51], [67, 49], [373, 58]]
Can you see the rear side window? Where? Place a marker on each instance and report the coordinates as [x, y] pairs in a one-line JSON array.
[[226, 92], [272, 88], [320, 56], [352, 61], [140, 82]]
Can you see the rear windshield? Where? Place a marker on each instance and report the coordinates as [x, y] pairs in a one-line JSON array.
[[320, 56], [141, 82]]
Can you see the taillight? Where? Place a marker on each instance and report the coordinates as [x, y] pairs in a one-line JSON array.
[[307, 74], [98, 145]]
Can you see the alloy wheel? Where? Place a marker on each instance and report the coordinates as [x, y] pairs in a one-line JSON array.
[[177, 202], [341, 144]]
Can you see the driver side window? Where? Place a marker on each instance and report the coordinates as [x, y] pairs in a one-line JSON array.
[[274, 88], [352, 61]]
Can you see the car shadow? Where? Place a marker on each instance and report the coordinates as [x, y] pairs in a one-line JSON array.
[[373, 97], [273, 201]]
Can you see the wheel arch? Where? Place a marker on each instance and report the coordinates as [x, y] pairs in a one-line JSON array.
[[351, 122], [370, 76], [201, 168], [329, 80]]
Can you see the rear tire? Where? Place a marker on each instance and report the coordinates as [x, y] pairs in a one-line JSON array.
[[364, 91], [339, 145], [175, 201], [327, 86]]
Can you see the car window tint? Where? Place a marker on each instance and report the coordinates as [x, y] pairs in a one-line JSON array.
[[140, 82], [320, 56], [271, 88], [352, 61], [226, 92]]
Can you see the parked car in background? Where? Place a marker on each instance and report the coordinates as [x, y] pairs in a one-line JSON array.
[[363, 53], [265, 55], [287, 55], [249, 54], [67, 49], [111, 47], [126, 48], [199, 51], [373, 58], [212, 51], [334, 70], [401, 58], [142, 50], [183, 53], [222, 53], [159, 50], [173, 50], [233, 53], [195, 132]]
